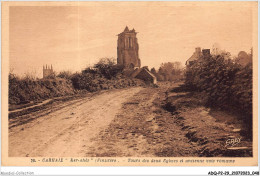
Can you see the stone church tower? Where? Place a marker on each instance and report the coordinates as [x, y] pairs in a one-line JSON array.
[[127, 49], [48, 72]]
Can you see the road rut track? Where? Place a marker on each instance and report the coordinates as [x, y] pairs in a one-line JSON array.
[[131, 122], [67, 131], [143, 128]]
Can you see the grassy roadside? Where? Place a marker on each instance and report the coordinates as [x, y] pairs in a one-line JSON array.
[[209, 128]]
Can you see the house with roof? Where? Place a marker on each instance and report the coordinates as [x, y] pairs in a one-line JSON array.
[[197, 55]]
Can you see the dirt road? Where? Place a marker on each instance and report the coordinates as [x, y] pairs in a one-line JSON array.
[[126, 122], [143, 128], [68, 131]]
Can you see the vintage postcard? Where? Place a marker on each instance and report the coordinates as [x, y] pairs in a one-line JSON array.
[[129, 83]]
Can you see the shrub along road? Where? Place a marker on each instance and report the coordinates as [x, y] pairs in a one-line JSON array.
[[122, 122]]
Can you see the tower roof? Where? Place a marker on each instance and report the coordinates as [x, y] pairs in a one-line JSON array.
[[133, 30], [126, 29]]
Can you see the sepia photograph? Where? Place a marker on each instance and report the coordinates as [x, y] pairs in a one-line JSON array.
[[96, 83]]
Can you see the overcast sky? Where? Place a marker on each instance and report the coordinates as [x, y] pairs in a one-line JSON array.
[[73, 37]]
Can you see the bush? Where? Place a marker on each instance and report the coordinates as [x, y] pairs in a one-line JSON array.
[[223, 82], [170, 71], [65, 75], [83, 80], [95, 82], [242, 89], [104, 75], [108, 68], [25, 90]]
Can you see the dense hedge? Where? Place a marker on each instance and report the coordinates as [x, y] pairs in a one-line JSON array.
[[222, 82], [105, 75], [26, 90], [94, 81]]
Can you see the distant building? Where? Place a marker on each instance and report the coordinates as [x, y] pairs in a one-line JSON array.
[[48, 72], [128, 57], [127, 49], [215, 49], [145, 75], [196, 55]]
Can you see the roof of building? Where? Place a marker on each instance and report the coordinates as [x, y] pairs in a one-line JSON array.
[[137, 71], [152, 75], [196, 55], [126, 30]]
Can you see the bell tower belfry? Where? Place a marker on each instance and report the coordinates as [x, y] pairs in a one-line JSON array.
[[127, 49]]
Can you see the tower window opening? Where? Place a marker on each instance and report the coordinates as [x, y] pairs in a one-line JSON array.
[[130, 42]]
